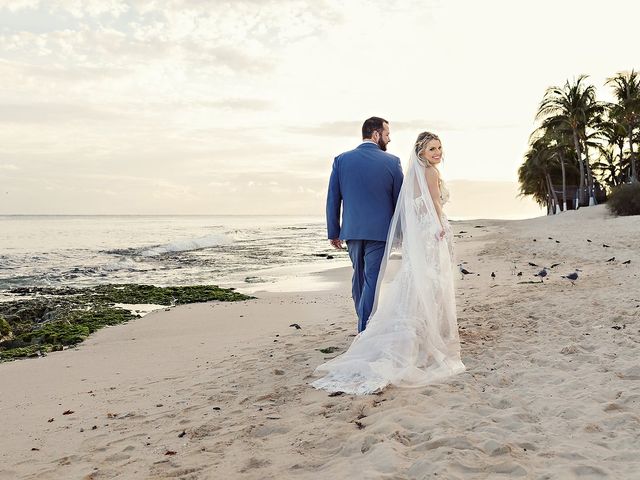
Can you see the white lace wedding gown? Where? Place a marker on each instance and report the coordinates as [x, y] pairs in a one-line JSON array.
[[411, 339]]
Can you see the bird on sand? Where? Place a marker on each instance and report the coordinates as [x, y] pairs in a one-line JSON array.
[[542, 273], [572, 277], [464, 271]]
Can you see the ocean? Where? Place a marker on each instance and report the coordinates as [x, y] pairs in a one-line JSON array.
[[60, 250]]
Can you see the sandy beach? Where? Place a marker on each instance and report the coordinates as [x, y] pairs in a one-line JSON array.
[[220, 390]]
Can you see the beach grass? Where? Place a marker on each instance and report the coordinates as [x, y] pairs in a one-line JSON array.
[[625, 200]]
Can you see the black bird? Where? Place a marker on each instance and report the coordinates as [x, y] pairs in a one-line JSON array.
[[627, 262], [298, 327], [611, 259], [554, 265], [533, 264], [519, 274], [542, 273], [557, 241], [493, 275], [572, 277], [588, 240], [550, 238], [534, 240], [605, 245]]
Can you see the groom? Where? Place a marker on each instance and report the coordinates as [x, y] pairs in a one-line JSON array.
[[366, 181]]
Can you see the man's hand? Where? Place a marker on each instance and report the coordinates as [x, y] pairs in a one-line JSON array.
[[336, 243]]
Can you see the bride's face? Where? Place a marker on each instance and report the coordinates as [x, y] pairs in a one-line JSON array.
[[432, 152]]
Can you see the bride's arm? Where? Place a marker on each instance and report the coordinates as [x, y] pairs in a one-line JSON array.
[[431, 174]]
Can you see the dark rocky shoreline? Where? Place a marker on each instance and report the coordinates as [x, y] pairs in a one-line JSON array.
[[56, 318]]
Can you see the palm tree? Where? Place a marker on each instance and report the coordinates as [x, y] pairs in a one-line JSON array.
[[573, 107], [613, 161], [626, 112], [535, 174], [555, 146], [609, 167], [532, 178]]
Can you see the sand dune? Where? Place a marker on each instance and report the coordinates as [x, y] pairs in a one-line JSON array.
[[220, 391]]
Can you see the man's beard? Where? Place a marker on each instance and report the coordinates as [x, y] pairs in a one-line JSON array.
[[382, 144]]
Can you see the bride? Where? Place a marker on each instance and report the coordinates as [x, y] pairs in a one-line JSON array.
[[411, 339]]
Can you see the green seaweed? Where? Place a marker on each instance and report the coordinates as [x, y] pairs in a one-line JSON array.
[[5, 328], [140, 294], [21, 352], [58, 318], [133, 293]]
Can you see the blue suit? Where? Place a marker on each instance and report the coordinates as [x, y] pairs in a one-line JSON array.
[[365, 184]]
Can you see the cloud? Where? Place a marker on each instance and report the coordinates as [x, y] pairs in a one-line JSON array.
[[55, 113], [8, 167], [352, 128], [17, 5], [255, 104], [90, 8], [58, 113], [238, 60], [76, 8], [440, 125], [217, 184], [349, 128]]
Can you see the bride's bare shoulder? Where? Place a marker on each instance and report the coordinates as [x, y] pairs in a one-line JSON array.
[[431, 173]]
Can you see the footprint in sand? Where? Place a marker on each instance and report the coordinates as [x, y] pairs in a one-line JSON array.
[[369, 442], [254, 463], [265, 431], [401, 438]]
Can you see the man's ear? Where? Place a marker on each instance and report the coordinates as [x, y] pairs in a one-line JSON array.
[[374, 137]]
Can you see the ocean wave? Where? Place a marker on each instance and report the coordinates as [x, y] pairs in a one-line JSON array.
[[124, 263], [186, 245]]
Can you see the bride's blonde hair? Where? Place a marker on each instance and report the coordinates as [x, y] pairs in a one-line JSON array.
[[421, 142]]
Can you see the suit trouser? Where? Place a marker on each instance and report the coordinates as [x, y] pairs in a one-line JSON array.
[[366, 256]]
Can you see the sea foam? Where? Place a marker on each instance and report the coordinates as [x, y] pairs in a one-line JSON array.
[[186, 245]]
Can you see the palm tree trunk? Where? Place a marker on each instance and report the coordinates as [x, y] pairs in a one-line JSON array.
[[576, 143], [564, 184], [634, 173], [620, 179], [556, 204], [590, 183]]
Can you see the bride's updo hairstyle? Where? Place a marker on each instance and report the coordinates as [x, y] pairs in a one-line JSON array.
[[421, 142]]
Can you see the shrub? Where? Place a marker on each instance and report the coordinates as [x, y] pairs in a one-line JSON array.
[[625, 199]]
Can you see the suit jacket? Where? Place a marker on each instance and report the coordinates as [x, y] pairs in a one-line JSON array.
[[366, 183]]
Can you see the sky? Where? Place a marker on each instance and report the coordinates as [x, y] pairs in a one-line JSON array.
[[239, 107]]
